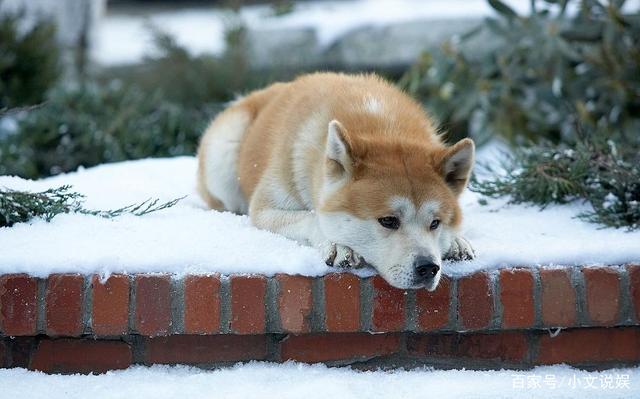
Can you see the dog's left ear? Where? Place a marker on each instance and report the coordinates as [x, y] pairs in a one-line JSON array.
[[338, 150], [457, 164]]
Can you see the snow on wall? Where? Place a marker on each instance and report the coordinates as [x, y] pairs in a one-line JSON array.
[[191, 239]]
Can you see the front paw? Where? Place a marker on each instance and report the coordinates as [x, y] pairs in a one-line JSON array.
[[341, 256], [460, 250]]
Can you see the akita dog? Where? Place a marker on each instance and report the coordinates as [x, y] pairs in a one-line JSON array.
[[347, 164]]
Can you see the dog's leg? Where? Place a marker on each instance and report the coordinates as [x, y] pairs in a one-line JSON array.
[[300, 225], [460, 250]]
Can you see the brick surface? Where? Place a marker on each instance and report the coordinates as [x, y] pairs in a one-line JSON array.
[[202, 304], [388, 306], [347, 347], [634, 287], [342, 302], [603, 294], [110, 305], [558, 298], [153, 305], [80, 356], [516, 297], [294, 303], [248, 304], [475, 304], [21, 350], [433, 307], [509, 346], [586, 346], [205, 349], [64, 302], [18, 304]]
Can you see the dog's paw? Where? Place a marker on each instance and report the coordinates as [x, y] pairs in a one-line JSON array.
[[460, 250], [341, 256]]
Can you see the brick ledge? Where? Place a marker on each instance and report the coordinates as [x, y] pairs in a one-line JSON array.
[[297, 314]]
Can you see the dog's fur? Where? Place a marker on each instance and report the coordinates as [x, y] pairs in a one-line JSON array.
[[323, 158]]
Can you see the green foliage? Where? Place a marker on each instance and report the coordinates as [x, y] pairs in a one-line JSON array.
[[605, 176], [92, 124], [544, 74], [29, 61], [22, 206]]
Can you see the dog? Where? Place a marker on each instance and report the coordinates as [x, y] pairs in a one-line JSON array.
[[348, 164]]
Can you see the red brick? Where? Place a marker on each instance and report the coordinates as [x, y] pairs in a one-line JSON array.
[[153, 305], [634, 287], [313, 348], [516, 297], [510, 346], [591, 345], [110, 305], [80, 356], [603, 295], [342, 302], [433, 307], [388, 306], [205, 349], [64, 301], [202, 304], [558, 298], [18, 304], [475, 304], [247, 304], [295, 303]]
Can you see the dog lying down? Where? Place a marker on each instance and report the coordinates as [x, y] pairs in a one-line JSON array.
[[347, 164]]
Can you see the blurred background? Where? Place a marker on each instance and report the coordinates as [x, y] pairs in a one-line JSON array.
[[83, 82]]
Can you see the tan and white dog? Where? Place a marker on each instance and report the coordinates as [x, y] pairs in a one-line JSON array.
[[345, 163]]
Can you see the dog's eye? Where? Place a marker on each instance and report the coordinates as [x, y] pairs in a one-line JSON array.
[[390, 222], [434, 225]]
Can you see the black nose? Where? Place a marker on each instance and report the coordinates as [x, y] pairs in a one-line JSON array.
[[425, 267]]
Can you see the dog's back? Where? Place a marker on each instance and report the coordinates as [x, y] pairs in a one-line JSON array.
[[281, 130]]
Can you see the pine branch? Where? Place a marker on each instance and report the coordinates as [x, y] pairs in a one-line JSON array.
[[597, 173], [22, 206], [141, 209]]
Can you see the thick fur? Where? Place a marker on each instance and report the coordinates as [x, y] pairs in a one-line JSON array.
[[322, 158]]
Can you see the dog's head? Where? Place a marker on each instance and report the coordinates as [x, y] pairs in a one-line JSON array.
[[394, 202]]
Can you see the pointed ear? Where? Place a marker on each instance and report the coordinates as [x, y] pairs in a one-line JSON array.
[[457, 164], [338, 150]]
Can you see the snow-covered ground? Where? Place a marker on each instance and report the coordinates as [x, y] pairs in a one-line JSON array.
[[121, 38], [292, 380], [191, 239], [126, 38]]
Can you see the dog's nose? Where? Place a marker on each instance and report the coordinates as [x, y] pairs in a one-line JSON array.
[[425, 267]]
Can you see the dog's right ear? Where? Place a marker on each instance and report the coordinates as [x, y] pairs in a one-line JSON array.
[[338, 151]]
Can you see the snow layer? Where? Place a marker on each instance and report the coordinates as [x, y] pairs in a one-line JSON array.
[[126, 38], [292, 380], [201, 30], [191, 239]]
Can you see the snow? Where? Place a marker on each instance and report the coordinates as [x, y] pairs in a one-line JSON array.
[[188, 238], [201, 30], [294, 380], [127, 38]]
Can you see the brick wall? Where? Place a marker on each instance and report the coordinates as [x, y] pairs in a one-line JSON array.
[[505, 318]]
